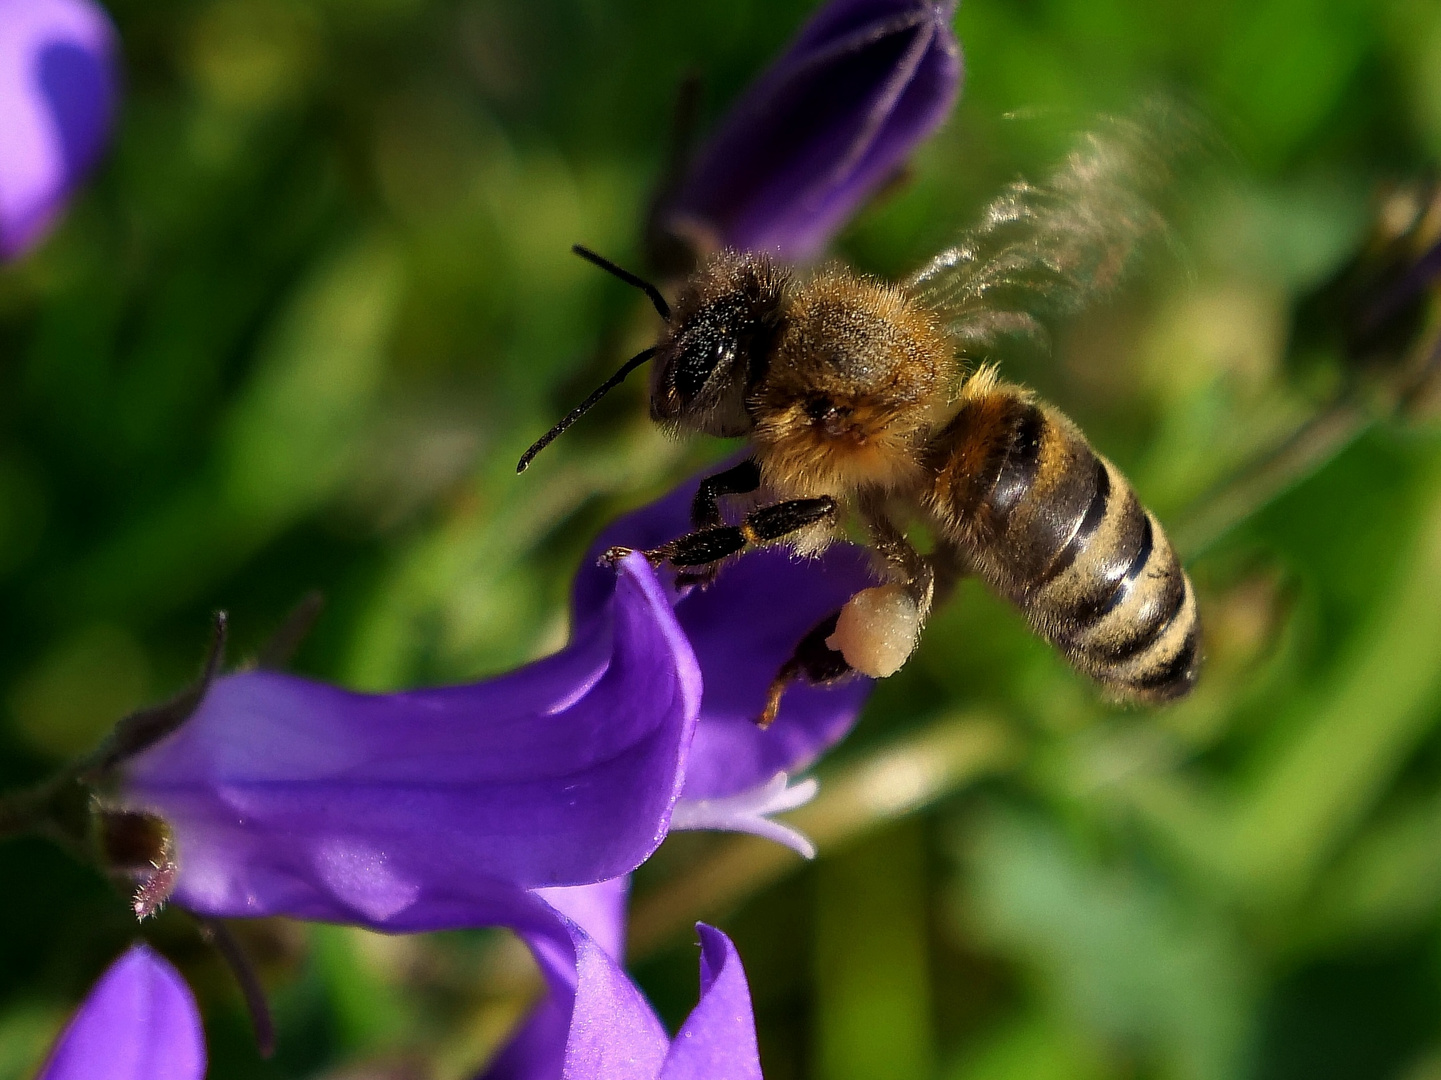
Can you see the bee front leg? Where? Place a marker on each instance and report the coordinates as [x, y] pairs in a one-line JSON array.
[[763, 526]]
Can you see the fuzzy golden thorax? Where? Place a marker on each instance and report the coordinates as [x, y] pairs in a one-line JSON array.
[[857, 379]]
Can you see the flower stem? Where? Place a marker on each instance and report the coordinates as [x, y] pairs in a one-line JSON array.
[[1307, 449]]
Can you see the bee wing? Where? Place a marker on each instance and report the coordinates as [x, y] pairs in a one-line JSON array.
[[1042, 251]]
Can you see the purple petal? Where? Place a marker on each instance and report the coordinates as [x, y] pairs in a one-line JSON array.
[[596, 1024], [537, 1050], [139, 1022], [614, 1033], [718, 1039], [436, 807], [597, 909], [58, 91], [742, 635], [825, 126]]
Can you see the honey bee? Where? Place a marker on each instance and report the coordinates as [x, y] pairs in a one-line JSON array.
[[877, 402]]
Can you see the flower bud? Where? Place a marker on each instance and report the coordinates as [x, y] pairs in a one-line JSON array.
[[827, 125]]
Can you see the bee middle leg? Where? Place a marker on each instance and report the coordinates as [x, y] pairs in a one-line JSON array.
[[765, 525]]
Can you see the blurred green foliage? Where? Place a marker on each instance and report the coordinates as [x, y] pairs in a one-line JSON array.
[[319, 298]]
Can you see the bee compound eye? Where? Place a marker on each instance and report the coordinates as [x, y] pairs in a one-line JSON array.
[[696, 366]]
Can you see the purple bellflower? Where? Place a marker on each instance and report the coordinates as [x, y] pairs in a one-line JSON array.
[[58, 93], [434, 808], [594, 1022], [445, 808], [829, 122], [139, 1022]]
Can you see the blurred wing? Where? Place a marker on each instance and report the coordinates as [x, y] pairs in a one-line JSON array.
[[1041, 251]]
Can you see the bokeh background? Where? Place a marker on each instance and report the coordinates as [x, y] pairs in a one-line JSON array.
[[317, 300]]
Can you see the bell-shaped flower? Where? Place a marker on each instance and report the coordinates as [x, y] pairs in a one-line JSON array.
[[833, 119], [447, 807], [139, 1022], [596, 1024], [432, 808], [59, 86]]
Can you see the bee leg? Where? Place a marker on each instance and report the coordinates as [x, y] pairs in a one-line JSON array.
[[813, 659], [907, 566], [762, 526], [740, 479], [950, 563], [879, 627]]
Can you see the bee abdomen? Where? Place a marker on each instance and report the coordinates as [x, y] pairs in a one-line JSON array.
[[1056, 528]]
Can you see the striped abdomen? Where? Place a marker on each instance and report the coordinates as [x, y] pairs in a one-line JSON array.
[[1056, 528]]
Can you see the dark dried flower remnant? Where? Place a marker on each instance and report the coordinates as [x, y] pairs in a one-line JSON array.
[[830, 122]]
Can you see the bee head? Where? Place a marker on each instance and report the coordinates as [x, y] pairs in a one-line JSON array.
[[717, 344]]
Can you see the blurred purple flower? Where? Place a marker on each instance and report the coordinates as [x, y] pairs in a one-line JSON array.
[[58, 91], [139, 1022], [827, 124], [433, 808], [595, 1024]]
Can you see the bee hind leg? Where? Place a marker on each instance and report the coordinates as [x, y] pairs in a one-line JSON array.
[[813, 660]]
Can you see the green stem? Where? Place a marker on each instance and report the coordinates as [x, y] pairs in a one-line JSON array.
[[1307, 449]]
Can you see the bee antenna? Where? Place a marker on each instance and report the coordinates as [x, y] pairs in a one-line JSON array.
[[583, 408], [625, 275]]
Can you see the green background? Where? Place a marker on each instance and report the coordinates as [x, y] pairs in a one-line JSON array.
[[299, 328]]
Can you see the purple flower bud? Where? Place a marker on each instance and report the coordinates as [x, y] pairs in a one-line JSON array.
[[432, 808], [139, 1022], [58, 91], [826, 125]]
